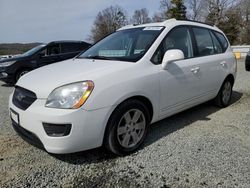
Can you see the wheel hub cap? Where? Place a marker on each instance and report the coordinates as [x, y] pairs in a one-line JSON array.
[[131, 128]]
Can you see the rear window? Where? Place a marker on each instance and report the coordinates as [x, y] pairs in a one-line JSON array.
[[204, 41], [222, 40], [217, 45]]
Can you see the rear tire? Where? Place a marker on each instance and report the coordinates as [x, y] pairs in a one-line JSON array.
[[224, 96], [127, 127]]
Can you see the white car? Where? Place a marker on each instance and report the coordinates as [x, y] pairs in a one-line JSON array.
[[111, 93]]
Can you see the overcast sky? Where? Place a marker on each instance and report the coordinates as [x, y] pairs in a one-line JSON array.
[[46, 20]]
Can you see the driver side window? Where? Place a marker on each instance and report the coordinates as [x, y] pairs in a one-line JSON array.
[[51, 50], [179, 38]]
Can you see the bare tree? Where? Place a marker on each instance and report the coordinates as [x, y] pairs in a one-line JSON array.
[[217, 9], [140, 17], [165, 5], [107, 21], [197, 9], [245, 30], [159, 17], [226, 14]]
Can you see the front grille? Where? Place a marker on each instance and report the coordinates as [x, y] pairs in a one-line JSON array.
[[23, 98], [27, 135]]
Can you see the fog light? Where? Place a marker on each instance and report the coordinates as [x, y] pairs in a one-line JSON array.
[[57, 130], [3, 74]]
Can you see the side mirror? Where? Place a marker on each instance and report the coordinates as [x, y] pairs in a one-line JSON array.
[[171, 56]]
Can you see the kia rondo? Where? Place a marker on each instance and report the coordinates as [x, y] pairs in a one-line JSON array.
[[110, 94]]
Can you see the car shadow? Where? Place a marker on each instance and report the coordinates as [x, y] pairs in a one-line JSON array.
[[179, 121], [7, 85], [86, 157], [157, 131]]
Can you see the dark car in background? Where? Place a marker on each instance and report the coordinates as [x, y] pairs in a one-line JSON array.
[[247, 62], [11, 69]]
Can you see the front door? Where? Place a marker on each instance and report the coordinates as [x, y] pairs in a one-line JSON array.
[[49, 55], [178, 84]]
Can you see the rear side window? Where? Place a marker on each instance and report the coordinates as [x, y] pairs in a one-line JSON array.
[[67, 48], [53, 49], [84, 46], [204, 42], [217, 45], [222, 40]]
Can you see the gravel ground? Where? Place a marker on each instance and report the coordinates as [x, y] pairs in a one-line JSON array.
[[201, 147]]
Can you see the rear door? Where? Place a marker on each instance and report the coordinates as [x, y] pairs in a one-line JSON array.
[[210, 60]]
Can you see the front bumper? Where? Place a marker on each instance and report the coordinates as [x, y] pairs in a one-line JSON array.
[[4, 76], [27, 135], [87, 130]]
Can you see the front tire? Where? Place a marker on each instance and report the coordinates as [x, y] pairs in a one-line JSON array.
[[224, 96], [21, 73], [127, 127]]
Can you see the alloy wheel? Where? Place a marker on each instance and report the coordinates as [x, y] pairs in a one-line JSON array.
[[226, 92], [131, 128]]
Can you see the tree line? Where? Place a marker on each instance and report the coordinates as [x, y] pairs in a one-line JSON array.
[[231, 16]]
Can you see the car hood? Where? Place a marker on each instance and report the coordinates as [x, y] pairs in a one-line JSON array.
[[44, 80]]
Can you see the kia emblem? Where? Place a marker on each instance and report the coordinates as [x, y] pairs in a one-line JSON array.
[[20, 96]]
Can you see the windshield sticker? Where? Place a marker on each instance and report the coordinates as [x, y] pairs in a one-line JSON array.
[[152, 28]]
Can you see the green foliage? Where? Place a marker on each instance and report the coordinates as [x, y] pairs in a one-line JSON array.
[[231, 25], [178, 10]]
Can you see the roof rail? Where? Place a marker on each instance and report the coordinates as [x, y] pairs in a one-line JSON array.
[[209, 23], [169, 20]]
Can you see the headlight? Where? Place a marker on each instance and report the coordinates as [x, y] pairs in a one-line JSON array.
[[71, 96], [6, 64]]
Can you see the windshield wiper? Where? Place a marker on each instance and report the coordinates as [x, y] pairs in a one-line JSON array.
[[99, 57]]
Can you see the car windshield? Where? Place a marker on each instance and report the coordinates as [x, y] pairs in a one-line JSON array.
[[33, 50], [124, 45]]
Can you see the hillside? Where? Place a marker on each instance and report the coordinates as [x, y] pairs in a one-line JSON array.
[[16, 48]]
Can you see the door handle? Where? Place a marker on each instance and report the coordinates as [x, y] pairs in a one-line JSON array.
[[223, 64], [195, 70]]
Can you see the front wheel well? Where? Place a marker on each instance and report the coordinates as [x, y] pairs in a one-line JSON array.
[[146, 102], [110, 136], [22, 69], [142, 99], [230, 77]]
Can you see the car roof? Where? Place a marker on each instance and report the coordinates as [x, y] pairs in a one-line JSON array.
[[172, 22], [68, 41]]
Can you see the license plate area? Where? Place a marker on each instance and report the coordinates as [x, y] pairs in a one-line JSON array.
[[14, 116]]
